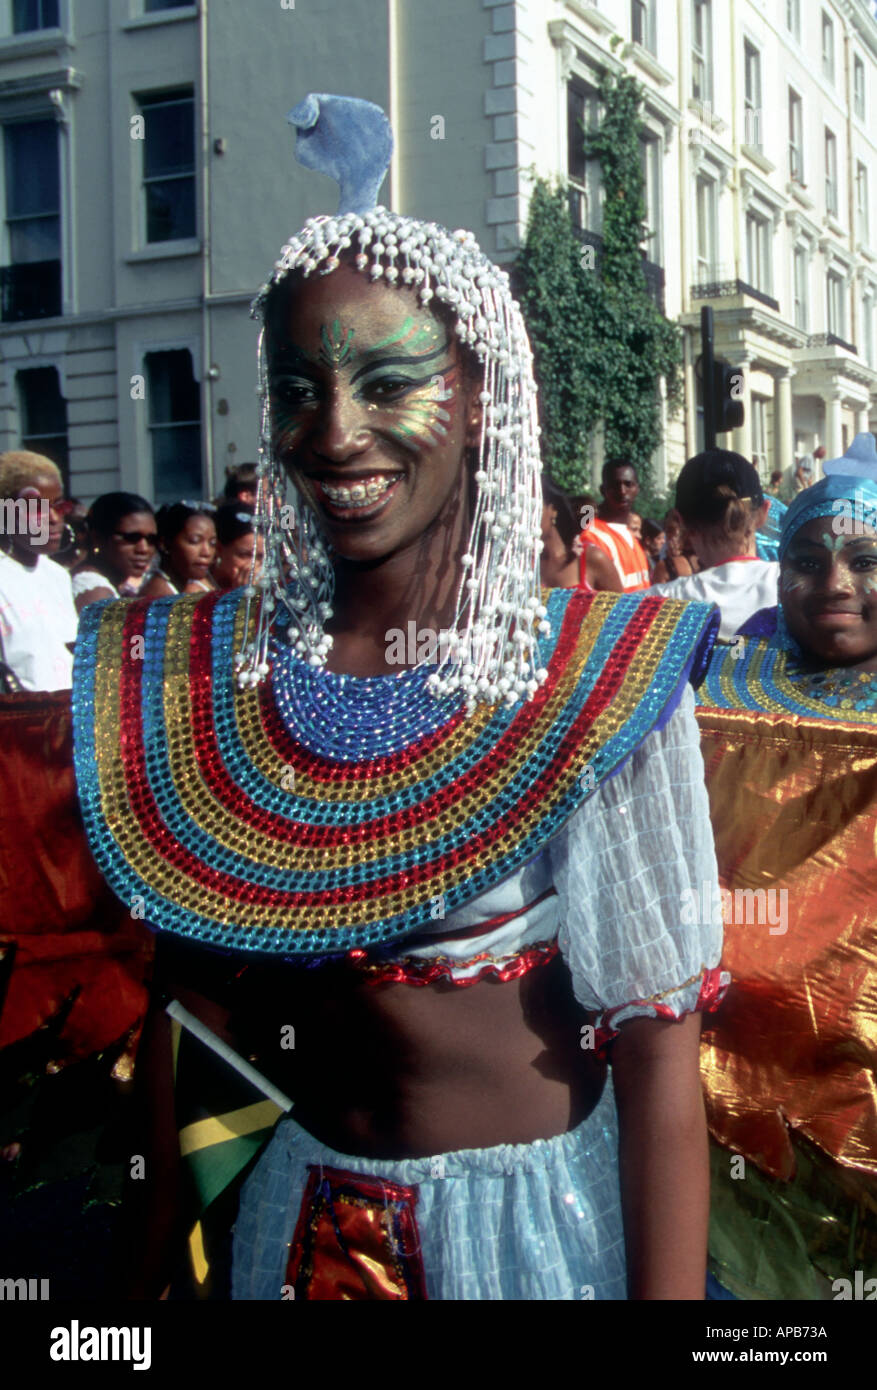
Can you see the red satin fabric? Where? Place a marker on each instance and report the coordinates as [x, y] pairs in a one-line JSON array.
[[72, 938]]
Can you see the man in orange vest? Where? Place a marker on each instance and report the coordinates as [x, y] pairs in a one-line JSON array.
[[610, 529]]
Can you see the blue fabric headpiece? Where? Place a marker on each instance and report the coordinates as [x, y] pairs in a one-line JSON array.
[[852, 477], [348, 139]]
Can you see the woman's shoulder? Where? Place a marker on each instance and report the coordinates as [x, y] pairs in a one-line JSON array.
[[88, 578]]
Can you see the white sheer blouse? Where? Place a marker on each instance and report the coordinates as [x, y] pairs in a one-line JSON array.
[[613, 889]]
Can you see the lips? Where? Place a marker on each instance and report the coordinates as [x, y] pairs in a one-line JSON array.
[[356, 499]]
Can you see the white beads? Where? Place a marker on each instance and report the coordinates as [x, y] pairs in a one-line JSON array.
[[499, 610]]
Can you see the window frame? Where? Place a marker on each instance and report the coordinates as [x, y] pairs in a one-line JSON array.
[[42, 440], [752, 100], [646, 9], [155, 427], [793, 19], [706, 256], [589, 190], [796, 137], [863, 210], [702, 50], [759, 237], [652, 150], [835, 295], [832, 189], [859, 88], [828, 50], [144, 101], [38, 28]]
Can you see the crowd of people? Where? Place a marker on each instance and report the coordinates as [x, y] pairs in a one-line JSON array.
[[119, 547], [463, 887]]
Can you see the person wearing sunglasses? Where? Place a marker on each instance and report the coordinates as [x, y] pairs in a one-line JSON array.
[[123, 538], [37, 618]]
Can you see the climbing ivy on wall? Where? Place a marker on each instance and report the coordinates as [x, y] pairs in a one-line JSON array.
[[600, 343]]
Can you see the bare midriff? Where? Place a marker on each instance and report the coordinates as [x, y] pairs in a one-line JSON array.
[[395, 1071]]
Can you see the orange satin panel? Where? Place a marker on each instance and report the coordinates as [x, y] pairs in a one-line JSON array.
[[72, 939], [356, 1238], [794, 807]]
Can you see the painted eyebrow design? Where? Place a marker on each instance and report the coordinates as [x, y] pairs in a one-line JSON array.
[[402, 361]]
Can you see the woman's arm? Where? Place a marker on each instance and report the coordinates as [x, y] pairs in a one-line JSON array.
[[663, 1157]]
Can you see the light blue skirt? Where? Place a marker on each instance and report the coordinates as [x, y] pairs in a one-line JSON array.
[[518, 1221]]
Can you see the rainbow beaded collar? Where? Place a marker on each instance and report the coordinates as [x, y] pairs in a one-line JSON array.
[[318, 812], [765, 675]]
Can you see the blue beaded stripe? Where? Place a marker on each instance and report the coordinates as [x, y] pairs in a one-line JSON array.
[[754, 682], [310, 811], [694, 620]]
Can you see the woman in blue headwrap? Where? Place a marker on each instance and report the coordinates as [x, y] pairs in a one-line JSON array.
[[787, 720], [817, 652]]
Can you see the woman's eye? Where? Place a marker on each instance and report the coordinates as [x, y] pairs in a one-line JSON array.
[[293, 392], [865, 562], [387, 387]]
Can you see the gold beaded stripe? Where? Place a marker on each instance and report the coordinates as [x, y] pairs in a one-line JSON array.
[[276, 851], [262, 754], [176, 886], [788, 693]]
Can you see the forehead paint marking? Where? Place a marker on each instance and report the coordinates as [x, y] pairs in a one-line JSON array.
[[411, 335], [834, 543], [334, 349]]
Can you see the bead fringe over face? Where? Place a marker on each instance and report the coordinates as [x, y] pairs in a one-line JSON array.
[[493, 650]]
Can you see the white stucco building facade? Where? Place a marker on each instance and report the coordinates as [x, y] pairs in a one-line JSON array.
[[148, 181]]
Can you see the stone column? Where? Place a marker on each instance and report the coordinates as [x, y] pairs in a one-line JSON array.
[[784, 433], [862, 425], [833, 431]]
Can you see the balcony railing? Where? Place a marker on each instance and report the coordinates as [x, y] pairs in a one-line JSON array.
[[653, 273], [30, 291], [817, 340], [727, 289]]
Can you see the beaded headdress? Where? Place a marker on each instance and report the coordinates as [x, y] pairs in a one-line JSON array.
[[492, 651]]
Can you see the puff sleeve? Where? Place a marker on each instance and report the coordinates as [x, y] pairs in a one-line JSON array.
[[636, 877]]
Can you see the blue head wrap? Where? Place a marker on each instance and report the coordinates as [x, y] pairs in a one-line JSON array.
[[851, 479]]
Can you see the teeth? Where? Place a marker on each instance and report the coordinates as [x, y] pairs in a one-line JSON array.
[[359, 495]]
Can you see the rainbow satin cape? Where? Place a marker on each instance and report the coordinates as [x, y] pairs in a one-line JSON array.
[[318, 813]]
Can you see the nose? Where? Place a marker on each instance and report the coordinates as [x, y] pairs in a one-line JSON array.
[[839, 579], [341, 429]]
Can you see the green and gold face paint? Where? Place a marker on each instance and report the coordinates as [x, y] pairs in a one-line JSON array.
[[368, 401], [828, 588]]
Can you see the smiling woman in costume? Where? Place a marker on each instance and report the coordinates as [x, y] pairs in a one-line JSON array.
[[789, 728], [482, 855], [816, 652]]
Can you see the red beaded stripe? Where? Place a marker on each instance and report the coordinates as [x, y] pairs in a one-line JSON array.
[[267, 823], [166, 846]]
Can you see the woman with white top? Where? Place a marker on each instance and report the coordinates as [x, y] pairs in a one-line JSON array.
[[123, 539], [720, 499], [37, 617]]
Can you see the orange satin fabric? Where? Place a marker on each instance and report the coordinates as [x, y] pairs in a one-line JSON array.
[[794, 806], [356, 1238], [72, 939]]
